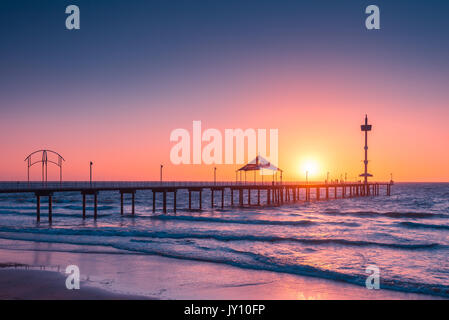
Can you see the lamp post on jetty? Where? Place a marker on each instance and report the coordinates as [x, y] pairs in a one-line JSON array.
[[90, 165], [161, 173]]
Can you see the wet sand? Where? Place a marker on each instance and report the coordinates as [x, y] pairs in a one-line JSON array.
[[116, 275], [20, 284]]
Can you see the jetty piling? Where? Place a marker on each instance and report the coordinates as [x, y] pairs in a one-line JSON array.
[[132, 192], [84, 193]]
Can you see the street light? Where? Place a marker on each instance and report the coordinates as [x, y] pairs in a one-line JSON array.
[[307, 177], [215, 175], [161, 172], [91, 163]]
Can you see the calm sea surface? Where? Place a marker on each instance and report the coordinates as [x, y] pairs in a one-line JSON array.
[[405, 235]]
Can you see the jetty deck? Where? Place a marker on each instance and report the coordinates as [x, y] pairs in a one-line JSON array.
[[276, 193]]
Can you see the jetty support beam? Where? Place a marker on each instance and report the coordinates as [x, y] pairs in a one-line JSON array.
[[40, 194], [86, 192], [127, 191]]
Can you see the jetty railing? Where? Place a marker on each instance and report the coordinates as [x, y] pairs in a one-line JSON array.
[[23, 186]]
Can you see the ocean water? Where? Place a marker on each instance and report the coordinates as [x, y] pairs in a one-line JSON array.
[[405, 235]]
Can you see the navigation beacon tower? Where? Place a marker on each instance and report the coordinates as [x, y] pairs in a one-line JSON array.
[[366, 127]]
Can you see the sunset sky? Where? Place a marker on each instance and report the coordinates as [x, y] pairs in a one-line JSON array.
[[113, 91]]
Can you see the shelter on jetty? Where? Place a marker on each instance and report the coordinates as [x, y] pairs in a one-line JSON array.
[[259, 164]]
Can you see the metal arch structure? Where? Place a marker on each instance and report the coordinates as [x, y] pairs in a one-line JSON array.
[[44, 160]]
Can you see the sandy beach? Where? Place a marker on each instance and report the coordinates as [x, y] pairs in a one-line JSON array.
[[19, 284], [125, 276]]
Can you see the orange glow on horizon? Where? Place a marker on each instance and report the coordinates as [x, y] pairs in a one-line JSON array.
[[407, 139]]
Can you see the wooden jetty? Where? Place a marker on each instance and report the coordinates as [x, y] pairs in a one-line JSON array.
[[276, 193]]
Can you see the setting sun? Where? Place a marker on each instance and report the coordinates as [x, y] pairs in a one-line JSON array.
[[310, 166]]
